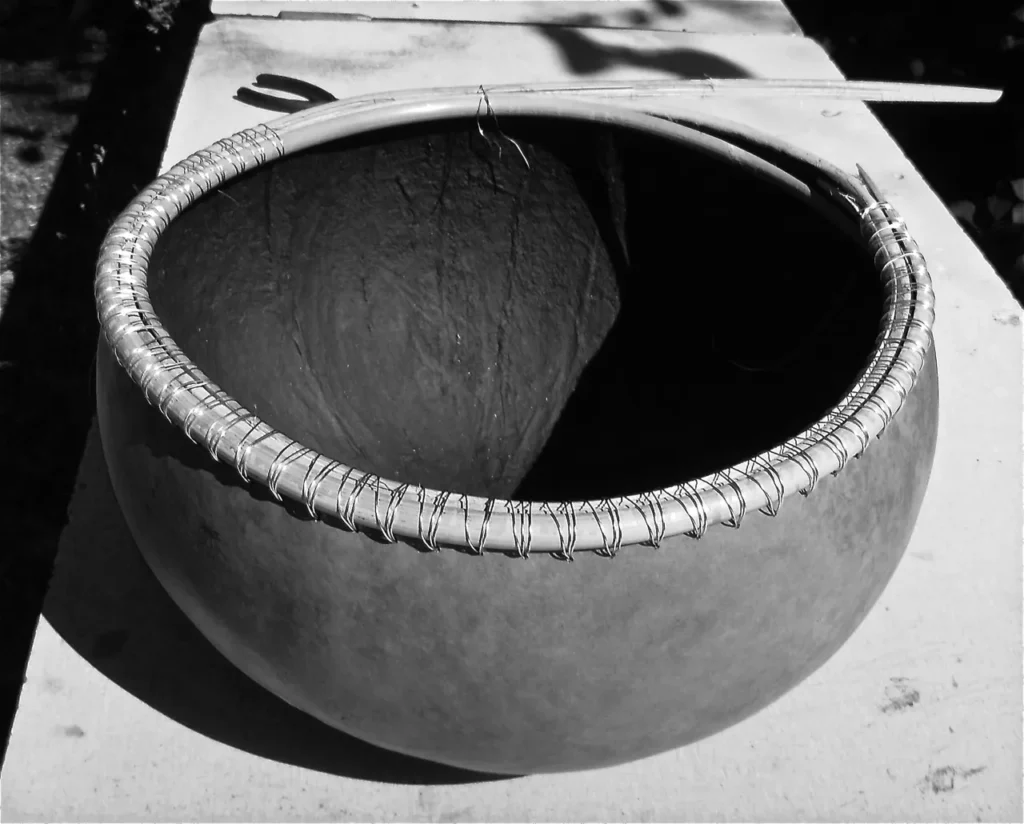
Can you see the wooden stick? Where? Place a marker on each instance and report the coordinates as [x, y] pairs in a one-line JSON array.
[[874, 91], [869, 91]]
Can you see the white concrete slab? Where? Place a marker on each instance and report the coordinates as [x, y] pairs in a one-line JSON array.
[[128, 714], [353, 57], [721, 16]]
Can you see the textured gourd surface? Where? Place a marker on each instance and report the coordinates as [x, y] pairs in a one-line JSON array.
[[497, 663], [421, 309]]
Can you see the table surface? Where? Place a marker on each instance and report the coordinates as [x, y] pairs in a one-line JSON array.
[[716, 16], [128, 714]]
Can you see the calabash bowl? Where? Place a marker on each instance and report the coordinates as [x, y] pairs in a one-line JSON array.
[[521, 445]]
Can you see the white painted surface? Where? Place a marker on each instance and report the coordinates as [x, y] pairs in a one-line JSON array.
[[721, 16], [352, 57], [917, 718]]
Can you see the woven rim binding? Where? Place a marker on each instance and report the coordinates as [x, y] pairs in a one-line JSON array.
[[359, 500]]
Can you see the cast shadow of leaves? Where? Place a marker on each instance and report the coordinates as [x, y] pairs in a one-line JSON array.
[[583, 54]]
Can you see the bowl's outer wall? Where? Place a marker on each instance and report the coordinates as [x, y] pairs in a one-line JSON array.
[[509, 665]]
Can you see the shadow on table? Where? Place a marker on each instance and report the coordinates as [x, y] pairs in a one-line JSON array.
[[120, 91], [584, 55], [105, 602]]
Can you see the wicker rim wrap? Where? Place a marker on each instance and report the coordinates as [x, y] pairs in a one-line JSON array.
[[434, 518]]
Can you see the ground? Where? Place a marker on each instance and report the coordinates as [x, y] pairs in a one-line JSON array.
[[74, 73]]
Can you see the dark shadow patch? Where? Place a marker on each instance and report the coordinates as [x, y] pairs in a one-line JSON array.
[[68, 105], [46, 397], [669, 8], [109, 644], [42, 87], [33, 133], [31, 154], [690, 350], [584, 56]]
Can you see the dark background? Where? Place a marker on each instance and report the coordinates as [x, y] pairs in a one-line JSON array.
[[88, 90]]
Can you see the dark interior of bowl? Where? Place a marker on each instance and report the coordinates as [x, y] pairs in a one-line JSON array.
[[555, 311]]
